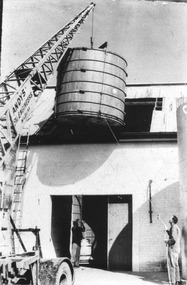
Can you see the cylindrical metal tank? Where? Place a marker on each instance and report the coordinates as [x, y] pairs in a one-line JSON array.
[[91, 87]]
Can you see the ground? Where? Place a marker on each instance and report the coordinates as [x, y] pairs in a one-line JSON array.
[[92, 276]]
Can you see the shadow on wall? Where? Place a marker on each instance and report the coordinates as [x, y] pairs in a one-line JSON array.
[[152, 249], [184, 249], [120, 257], [165, 203], [68, 164]]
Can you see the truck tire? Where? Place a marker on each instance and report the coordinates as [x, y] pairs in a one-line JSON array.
[[64, 275], [56, 271]]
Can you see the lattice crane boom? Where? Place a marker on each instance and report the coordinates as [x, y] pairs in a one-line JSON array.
[[20, 89]]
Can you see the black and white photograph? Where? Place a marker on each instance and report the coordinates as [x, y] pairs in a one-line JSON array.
[[93, 142]]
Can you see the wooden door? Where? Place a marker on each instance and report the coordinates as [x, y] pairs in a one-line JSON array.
[[120, 233]]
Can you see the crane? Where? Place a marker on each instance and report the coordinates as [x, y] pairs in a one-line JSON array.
[[19, 89], [19, 93]]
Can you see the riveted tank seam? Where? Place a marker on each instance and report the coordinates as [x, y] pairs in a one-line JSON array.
[[71, 81], [103, 72], [99, 50], [85, 91], [88, 114], [88, 102], [98, 61]]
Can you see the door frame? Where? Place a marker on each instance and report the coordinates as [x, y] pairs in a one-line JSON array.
[[118, 198]]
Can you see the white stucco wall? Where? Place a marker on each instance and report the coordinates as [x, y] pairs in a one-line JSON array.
[[101, 169]]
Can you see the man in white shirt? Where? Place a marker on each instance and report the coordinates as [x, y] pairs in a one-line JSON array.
[[173, 250]]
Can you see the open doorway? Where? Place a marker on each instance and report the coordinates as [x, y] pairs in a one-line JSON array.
[[107, 242], [95, 217], [60, 224]]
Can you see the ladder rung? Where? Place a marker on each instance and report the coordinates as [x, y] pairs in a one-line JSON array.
[[20, 168], [19, 176], [8, 184], [18, 179]]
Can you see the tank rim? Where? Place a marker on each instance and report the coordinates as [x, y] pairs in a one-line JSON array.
[[101, 50]]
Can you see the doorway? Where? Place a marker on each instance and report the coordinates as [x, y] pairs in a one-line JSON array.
[[120, 232], [95, 217], [60, 224], [108, 222]]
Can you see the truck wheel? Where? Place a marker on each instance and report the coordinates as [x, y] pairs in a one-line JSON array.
[[64, 275]]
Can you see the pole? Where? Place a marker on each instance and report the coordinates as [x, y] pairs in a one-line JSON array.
[[150, 202], [182, 157], [17, 233]]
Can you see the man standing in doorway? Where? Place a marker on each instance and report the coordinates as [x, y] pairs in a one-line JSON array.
[[173, 250], [77, 230]]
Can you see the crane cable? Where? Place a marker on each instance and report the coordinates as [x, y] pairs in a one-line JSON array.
[[92, 25], [124, 154], [111, 131]]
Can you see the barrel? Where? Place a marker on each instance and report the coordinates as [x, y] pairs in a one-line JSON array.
[[91, 87]]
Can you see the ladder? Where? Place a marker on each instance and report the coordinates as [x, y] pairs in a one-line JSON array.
[[20, 179]]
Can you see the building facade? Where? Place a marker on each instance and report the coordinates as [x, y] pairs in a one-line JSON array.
[[112, 184]]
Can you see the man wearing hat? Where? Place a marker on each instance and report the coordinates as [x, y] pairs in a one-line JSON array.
[[77, 230]]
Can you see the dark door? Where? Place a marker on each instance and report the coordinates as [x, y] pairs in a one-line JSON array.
[[120, 233]]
